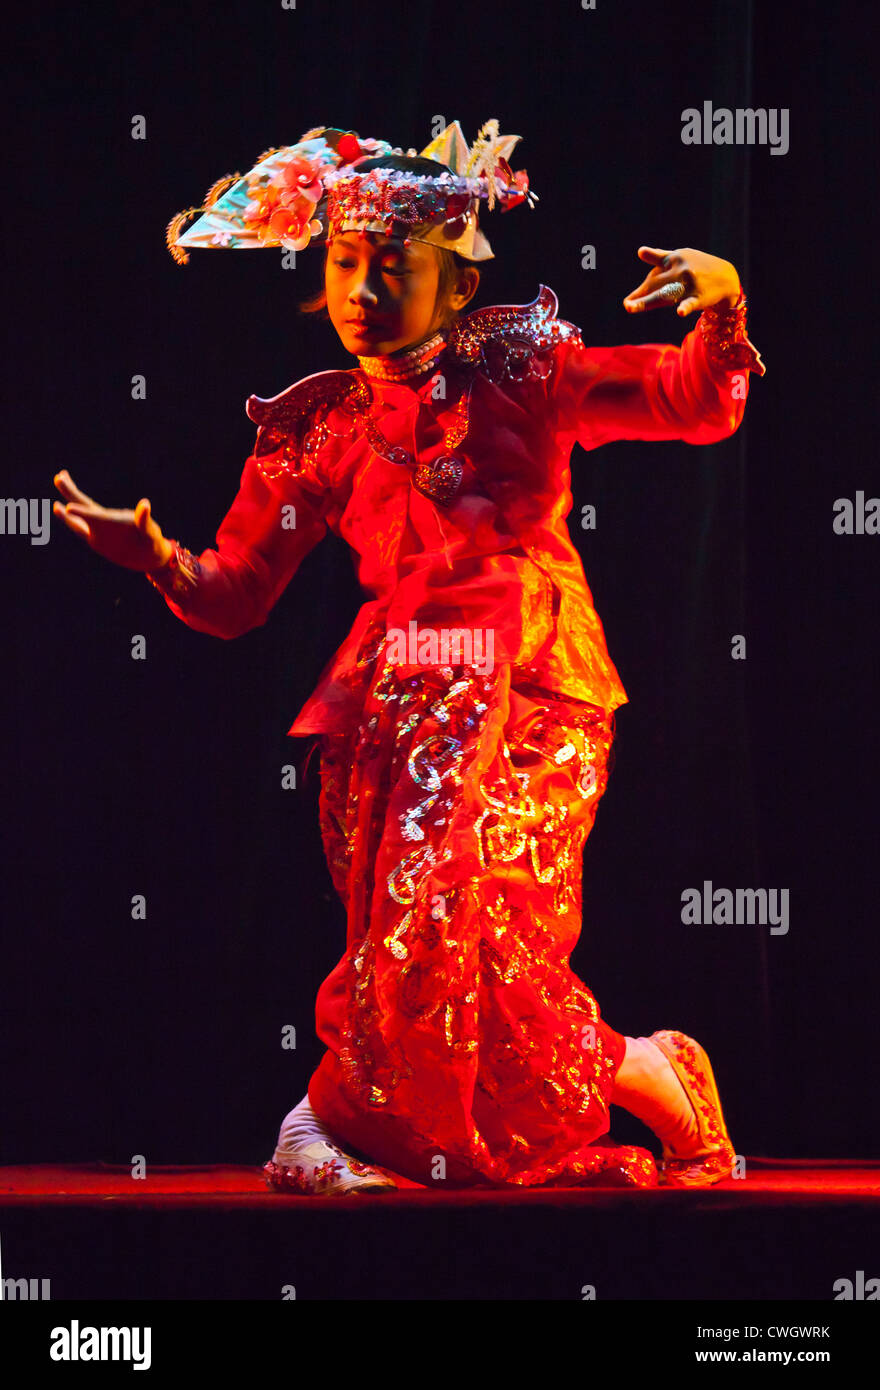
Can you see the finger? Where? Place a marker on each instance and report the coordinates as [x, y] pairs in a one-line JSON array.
[[657, 277], [88, 509], [653, 254], [687, 306], [74, 523], [654, 282], [92, 511], [142, 515], [68, 488], [656, 301]]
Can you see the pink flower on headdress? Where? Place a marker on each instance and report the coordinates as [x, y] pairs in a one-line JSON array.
[[282, 208], [294, 225], [301, 178]]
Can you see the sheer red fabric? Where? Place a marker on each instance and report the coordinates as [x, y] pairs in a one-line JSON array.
[[500, 555], [460, 1045], [453, 804]]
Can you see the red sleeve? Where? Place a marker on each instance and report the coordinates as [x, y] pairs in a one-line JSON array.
[[695, 392], [260, 544]]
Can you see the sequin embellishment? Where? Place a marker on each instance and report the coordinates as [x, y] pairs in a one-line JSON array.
[[456, 845]]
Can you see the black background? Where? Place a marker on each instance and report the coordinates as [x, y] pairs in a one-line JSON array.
[[163, 776]]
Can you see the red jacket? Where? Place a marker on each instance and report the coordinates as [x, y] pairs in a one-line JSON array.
[[498, 555]]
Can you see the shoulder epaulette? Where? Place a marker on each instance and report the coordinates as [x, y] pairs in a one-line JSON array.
[[500, 338], [533, 327], [287, 416]]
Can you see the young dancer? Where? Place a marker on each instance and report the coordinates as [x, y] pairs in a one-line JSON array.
[[466, 723]]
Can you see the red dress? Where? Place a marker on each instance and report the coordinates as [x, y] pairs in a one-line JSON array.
[[456, 799]]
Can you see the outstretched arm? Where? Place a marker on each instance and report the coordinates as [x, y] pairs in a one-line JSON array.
[[227, 589], [261, 542], [695, 392]]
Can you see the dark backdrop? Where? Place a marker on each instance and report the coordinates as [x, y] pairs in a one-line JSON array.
[[163, 776]]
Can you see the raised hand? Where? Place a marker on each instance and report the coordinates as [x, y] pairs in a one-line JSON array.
[[129, 538], [690, 279]]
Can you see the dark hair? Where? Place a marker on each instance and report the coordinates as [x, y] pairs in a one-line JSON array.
[[450, 263]]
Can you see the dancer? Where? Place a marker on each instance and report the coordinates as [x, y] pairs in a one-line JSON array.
[[466, 723]]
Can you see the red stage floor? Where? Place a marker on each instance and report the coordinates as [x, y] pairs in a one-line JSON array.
[[790, 1230], [767, 1181]]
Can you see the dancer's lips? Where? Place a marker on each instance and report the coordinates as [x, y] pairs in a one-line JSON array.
[[367, 327]]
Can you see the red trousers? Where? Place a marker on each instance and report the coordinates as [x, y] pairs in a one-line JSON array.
[[460, 1045]]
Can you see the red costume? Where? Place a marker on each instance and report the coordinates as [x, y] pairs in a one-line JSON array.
[[455, 801]]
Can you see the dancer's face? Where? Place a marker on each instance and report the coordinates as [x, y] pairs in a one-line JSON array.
[[393, 286]]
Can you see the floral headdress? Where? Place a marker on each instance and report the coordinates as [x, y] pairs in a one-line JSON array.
[[303, 194]]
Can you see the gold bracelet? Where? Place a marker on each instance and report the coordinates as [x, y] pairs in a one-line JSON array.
[[179, 575]]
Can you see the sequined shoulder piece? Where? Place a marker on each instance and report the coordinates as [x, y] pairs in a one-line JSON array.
[[285, 419], [285, 411], [511, 339]]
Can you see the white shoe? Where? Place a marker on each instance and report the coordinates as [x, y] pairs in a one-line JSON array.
[[667, 1082], [308, 1161], [320, 1169], [711, 1157]]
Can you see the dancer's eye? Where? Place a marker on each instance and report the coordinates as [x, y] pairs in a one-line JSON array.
[[387, 270]]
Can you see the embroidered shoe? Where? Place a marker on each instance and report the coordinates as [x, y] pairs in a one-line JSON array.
[[714, 1159], [320, 1169]]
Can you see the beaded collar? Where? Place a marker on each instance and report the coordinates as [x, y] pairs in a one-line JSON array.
[[403, 366]]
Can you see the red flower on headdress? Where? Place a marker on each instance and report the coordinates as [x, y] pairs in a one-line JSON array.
[[349, 148]]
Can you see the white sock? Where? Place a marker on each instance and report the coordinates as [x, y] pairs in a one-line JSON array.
[[648, 1087], [300, 1126]]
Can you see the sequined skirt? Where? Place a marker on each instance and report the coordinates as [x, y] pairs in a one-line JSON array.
[[461, 1048]]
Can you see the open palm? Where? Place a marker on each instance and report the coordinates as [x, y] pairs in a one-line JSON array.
[[129, 538]]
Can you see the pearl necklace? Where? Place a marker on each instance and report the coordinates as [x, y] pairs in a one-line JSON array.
[[401, 366]]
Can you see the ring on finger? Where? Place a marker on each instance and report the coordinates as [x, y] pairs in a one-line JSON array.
[[672, 292]]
